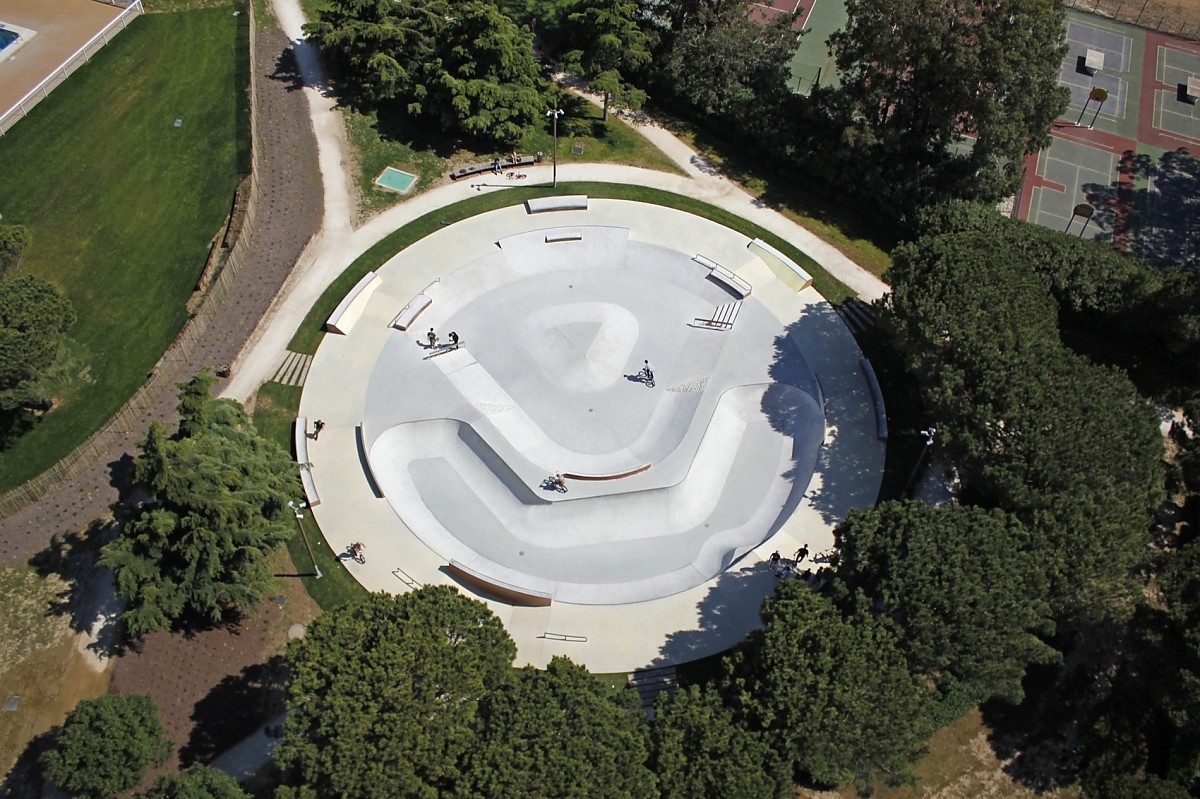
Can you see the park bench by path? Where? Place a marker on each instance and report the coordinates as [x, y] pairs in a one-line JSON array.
[[300, 441], [725, 277], [723, 317], [501, 590], [505, 163]]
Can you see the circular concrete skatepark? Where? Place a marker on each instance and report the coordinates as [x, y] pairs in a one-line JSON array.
[[759, 434]]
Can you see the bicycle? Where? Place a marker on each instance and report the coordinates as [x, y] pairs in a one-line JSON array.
[[555, 482], [517, 176], [647, 377], [355, 551]]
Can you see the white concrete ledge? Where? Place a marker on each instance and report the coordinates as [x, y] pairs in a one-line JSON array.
[[569, 202], [564, 235], [774, 257], [300, 441], [881, 426], [410, 312], [351, 307]]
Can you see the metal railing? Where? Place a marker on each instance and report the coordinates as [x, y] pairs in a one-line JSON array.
[[1163, 16]]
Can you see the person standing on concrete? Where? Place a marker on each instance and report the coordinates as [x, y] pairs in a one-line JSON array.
[[432, 338], [801, 554], [318, 426]]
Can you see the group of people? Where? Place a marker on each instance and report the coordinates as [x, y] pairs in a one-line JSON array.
[[513, 159], [786, 569], [433, 339]]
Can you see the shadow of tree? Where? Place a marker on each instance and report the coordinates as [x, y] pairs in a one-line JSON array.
[[1161, 218], [728, 612], [234, 709], [88, 599], [24, 779]]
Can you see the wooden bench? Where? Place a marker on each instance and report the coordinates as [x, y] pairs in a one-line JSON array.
[[409, 313], [881, 425], [351, 307], [570, 202], [723, 276], [723, 317], [511, 594], [505, 163], [612, 476], [300, 442], [774, 257]]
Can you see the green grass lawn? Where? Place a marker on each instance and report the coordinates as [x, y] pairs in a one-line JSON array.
[[308, 336], [275, 410], [123, 205], [379, 140]]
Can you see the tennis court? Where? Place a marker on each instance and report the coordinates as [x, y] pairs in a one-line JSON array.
[[1070, 173]]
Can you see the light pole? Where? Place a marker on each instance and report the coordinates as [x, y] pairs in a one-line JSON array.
[[555, 114], [300, 523], [928, 433]]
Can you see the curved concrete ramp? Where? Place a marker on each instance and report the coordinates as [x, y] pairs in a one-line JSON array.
[[469, 506]]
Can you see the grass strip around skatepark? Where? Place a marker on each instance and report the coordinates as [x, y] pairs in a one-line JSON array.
[[122, 205], [308, 336]]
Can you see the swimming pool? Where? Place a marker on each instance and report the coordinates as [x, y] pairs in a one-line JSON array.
[[12, 37]]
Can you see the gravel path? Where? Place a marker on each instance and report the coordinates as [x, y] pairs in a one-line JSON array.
[[289, 214]]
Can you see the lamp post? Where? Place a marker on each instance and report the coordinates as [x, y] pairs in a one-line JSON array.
[[300, 523], [928, 433], [555, 114]]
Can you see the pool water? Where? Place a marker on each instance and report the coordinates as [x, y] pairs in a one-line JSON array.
[[7, 37], [395, 179]]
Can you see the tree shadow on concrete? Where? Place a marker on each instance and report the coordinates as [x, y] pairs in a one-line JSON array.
[[728, 612], [1161, 218], [88, 599], [817, 354], [235, 708]]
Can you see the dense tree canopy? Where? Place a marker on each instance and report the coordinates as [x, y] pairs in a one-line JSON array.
[[200, 782], [469, 66], [962, 583], [700, 750], [13, 240], [105, 745], [1068, 445], [199, 549], [561, 733], [918, 76], [725, 65], [610, 45], [33, 319], [384, 694], [832, 693]]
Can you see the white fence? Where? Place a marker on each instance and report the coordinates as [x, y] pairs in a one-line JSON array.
[[74, 62]]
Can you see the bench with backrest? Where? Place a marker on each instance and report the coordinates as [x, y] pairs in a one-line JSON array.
[[505, 163]]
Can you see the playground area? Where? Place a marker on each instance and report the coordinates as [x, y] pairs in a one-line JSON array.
[[1124, 150], [756, 432]]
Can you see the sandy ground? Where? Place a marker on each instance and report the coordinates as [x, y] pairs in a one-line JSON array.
[[62, 27]]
